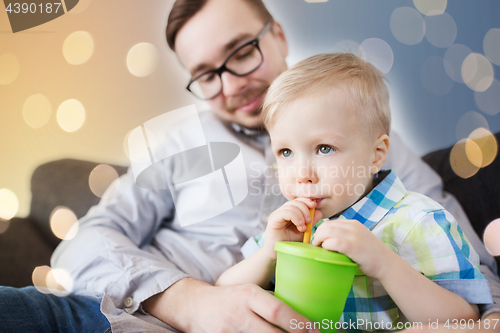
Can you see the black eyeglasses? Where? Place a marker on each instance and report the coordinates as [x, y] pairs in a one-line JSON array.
[[242, 61]]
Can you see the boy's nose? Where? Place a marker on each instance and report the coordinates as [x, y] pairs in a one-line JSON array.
[[305, 173]]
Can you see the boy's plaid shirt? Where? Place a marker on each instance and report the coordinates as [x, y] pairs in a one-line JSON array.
[[426, 236]]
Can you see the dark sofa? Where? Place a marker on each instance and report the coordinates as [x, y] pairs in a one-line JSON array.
[[29, 242]]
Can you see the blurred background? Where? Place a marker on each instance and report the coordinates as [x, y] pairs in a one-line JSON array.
[[76, 86]]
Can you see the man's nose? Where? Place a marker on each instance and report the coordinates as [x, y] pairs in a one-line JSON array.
[[232, 84], [305, 172]]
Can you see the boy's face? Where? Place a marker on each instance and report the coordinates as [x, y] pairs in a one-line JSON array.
[[322, 152]]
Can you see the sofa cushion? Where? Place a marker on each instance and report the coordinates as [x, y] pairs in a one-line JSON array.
[[62, 183]]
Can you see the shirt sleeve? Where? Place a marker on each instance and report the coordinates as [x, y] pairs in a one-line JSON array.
[[252, 245], [436, 246], [494, 282], [111, 253], [418, 176]]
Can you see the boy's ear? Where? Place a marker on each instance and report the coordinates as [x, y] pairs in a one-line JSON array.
[[381, 150]]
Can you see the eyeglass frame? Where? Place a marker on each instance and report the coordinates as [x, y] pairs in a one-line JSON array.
[[223, 68]]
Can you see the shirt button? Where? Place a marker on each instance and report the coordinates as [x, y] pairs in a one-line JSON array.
[[128, 302]]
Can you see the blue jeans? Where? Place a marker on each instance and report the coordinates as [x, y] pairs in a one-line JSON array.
[[28, 310]]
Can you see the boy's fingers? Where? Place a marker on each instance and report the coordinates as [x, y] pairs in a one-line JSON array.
[[290, 214], [329, 231], [308, 202], [299, 220], [345, 225], [302, 207]]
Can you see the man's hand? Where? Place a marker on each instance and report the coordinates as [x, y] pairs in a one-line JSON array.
[[190, 305], [356, 241], [288, 223]]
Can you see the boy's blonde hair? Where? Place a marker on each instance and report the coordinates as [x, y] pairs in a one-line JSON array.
[[360, 80]]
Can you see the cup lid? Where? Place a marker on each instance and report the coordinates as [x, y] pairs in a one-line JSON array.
[[310, 251]]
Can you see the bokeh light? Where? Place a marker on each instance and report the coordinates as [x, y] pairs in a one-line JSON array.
[[491, 45], [477, 72], [56, 281], [459, 160], [71, 115], [78, 47], [37, 110], [39, 278], [487, 144], [63, 223], [440, 30], [454, 58], [143, 59], [488, 101], [9, 68], [9, 204], [473, 153], [431, 7], [59, 282], [434, 77], [492, 237], [468, 123], [407, 25], [377, 52], [346, 46], [52, 284], [101, 178]]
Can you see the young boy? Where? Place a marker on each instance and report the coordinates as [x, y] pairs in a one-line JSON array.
[[329, 120]]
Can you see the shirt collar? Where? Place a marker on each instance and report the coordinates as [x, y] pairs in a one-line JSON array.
[[375, 205], [247, 131]]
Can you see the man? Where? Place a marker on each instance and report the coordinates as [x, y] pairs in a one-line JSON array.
[[132, 255]]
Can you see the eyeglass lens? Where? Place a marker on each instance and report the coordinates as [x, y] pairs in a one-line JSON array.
[[243, 62]]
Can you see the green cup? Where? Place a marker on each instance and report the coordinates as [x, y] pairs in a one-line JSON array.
[[315, 282]]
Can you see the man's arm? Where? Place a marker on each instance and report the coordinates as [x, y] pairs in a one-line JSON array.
[[108, 254]]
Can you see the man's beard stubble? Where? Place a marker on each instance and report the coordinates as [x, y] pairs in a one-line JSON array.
[[236, 102]]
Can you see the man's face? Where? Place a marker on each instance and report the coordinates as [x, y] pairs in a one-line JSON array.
[[331, 160], [208, 38]]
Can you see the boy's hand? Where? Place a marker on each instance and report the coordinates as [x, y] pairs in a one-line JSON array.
[[357, 242], [288, 223]]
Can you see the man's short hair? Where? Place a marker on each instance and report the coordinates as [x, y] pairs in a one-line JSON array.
[[183, 10], [360, 80]]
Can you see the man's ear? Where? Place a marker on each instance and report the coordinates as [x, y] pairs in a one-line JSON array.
[[277, 31], [381, 150]]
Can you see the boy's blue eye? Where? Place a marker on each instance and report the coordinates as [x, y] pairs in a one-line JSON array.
[[286, 153], [325, 150]]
